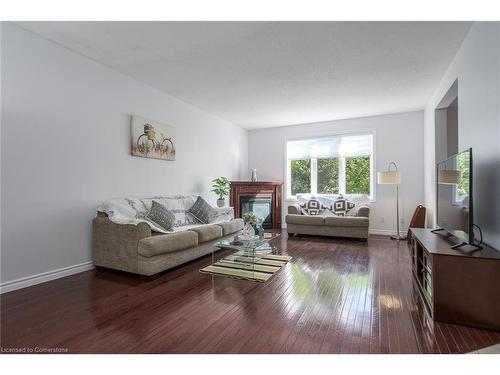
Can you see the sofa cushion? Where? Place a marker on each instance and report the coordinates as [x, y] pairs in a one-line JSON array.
[[202, 211], [341, 206], [207, 232], [346, 221], [160, 215], [312, 207], [329, 199], [305, 219], [167, 243], [131, 210], [232, 226], [179, 205]]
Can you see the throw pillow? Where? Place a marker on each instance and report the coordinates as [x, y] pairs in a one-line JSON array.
[[341, 206], [202, 211], [160, 215], [179, 206], [312, 207]]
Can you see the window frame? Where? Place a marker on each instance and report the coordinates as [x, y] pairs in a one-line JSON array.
[[314, 165]]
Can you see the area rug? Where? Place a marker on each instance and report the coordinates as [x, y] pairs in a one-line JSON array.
[[241, 265]]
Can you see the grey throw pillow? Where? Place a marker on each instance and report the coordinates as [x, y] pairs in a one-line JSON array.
[[202, 211], [162, 216]]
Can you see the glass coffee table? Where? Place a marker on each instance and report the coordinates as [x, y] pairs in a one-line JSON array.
[[257, 261]]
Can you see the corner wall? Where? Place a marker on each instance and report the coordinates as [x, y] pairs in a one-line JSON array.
[[65, 148], [477, 68], [398, 137]]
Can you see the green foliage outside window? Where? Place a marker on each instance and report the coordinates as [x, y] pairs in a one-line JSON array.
[[357, 173], [300, 176], [328, 176], [464, 168]]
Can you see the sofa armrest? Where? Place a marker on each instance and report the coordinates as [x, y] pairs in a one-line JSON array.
[[115, 245], [363, 211], [294, 209]]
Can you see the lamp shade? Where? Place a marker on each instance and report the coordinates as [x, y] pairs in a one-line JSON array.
[[449, 177], [389, 177]]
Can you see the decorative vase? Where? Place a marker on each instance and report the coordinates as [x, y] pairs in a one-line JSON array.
[[248, 230], [221, 202], [254, 175]]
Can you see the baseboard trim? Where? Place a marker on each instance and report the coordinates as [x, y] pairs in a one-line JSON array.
[[386, 232], [27, 281]]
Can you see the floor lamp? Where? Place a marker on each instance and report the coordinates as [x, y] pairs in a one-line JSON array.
[[389, 177]]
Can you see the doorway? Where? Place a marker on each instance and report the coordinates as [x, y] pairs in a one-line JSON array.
[[446, 121]]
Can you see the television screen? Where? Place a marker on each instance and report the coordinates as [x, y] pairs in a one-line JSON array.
[[454, 195]]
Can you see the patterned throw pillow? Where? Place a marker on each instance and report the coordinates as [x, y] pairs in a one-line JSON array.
[[179, 206], [202, 211], [160, 215], [312, 207], [341, 206]]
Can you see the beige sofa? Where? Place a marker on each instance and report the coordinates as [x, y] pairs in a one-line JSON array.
[[337, 226], [137, 249]]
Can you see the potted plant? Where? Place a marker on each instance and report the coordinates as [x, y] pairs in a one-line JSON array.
[[220, 187], [250, 220]]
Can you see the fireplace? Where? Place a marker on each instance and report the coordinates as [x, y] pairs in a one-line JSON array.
[[260, 206], [260, 197]]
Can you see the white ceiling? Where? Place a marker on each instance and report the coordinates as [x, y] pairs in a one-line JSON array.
[[261, 74]]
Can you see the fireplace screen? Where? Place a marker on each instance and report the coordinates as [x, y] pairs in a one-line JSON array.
[[261, 207]]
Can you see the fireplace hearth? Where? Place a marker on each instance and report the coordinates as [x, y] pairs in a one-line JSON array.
[[260, 206]]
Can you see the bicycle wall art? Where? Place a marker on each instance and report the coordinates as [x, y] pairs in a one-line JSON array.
[[151, 139]]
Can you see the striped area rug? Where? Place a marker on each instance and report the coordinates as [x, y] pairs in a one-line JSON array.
[[245, 266]]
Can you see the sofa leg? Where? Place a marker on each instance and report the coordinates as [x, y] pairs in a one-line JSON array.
[[150, 277], [100, 269]]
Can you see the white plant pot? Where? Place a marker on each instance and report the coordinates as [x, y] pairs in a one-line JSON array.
[[221, 202]]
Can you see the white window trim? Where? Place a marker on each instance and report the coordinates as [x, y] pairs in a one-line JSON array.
[[292, 198], [342, 175], [314, 175]]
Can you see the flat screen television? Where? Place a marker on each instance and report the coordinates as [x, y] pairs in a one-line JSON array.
[[455, 198]]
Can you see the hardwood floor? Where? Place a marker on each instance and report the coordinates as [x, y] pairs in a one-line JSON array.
[[335, 296]]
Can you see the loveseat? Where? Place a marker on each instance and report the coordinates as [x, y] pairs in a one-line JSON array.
[[124, 239], [353, 224]]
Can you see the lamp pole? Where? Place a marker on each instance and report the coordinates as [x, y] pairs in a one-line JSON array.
[[397, 236]]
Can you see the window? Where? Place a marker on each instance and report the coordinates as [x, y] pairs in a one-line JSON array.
[[331, 165], [301, 176], [328, 175], [357, 172], [462, 189], [464, 168]]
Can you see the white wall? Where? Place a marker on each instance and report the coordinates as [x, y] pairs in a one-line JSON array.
[[477, 68], [398, 137], [65, 149]]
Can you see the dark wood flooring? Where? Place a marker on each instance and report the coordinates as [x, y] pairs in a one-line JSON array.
[[335, 296]]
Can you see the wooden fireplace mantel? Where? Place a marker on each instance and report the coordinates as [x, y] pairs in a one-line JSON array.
[[267, 189]]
